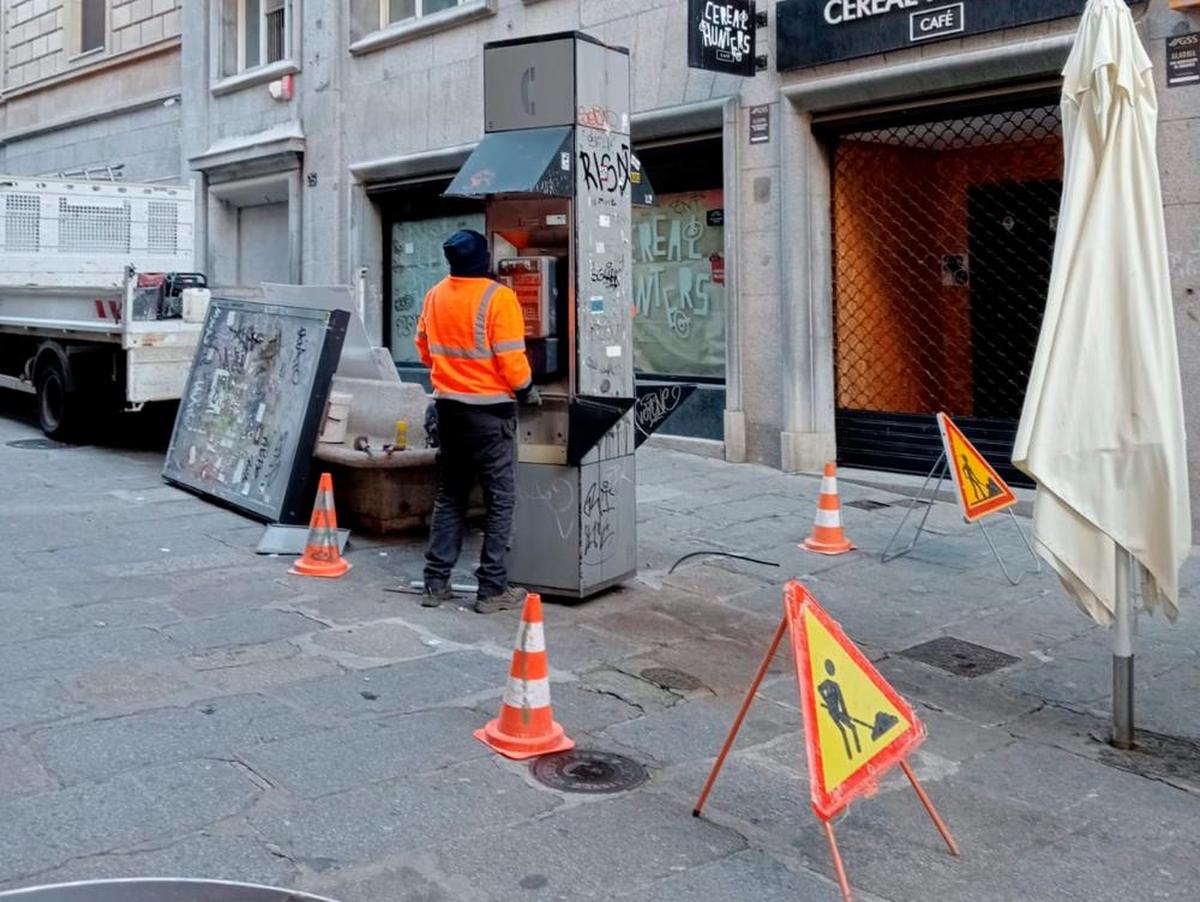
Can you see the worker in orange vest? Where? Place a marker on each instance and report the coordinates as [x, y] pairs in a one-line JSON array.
[[472, 336]]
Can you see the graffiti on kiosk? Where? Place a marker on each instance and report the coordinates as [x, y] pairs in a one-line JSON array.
[[599, 116], [606, 165], [678, 281]]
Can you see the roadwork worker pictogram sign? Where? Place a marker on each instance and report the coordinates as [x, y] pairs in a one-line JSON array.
[[981, 491], [855, 725]]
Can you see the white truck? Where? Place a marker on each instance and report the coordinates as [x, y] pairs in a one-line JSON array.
[[95, 311]]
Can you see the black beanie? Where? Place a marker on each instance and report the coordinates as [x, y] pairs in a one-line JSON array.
[[467, 253]]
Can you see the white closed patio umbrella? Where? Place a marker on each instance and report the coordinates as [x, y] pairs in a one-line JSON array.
[[1102, 430]]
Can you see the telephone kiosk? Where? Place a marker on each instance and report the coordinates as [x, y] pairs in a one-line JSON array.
[[559, 180]]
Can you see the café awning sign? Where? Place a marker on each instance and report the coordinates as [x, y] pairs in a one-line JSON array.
[[814, 32]]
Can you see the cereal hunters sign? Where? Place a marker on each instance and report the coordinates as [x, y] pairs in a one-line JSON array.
[[812, 32], [721, 36]]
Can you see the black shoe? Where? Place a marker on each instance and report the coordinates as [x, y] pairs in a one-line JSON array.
[[506, 600], [435, 595]]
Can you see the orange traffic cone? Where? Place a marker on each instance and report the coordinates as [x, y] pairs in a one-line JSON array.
[[828, 537], [526, 726], [321, 556]]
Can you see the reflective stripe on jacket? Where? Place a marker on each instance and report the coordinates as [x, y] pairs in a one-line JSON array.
[[472, 336]]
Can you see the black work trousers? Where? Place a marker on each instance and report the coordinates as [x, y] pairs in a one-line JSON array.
[[476, 445]]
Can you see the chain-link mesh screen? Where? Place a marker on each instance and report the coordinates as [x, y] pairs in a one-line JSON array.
[[943, 238]]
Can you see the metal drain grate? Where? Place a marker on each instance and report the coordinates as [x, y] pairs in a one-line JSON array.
[[671, 679], [868, 505], [959, 657], [39, 444], [588, 771]]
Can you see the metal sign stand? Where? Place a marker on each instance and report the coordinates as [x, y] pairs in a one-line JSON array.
[[941, 470]]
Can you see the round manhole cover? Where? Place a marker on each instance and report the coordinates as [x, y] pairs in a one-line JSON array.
[[587, 771], [39, 444], [672, 679]]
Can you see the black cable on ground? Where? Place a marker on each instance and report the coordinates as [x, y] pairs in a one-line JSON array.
[[739, 557]]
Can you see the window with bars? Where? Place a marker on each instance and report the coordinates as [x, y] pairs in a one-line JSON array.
[[262, 28]]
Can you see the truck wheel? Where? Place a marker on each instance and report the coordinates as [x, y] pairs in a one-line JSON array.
[[58, 409]]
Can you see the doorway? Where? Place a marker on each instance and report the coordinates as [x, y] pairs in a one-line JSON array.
[[943, 236]]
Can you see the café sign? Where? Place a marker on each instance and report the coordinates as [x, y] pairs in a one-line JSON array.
[[722, 36], [812, 32]]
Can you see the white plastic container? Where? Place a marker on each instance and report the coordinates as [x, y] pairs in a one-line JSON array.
[[195, 304], [337, 418]]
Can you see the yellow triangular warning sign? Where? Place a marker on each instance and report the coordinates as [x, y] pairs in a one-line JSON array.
[[855, 724], [981, 491]]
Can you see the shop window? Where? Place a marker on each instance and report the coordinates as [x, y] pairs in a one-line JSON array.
[[416, 264], [679, 285]]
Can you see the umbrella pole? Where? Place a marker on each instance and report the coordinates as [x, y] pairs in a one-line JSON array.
[[1122, 697]]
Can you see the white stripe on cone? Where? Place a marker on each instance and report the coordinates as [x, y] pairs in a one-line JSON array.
[[531, 637], [527, 693], [828, 518], [828, 485]]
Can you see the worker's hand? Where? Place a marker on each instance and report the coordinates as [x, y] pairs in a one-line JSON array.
[[530, 397]]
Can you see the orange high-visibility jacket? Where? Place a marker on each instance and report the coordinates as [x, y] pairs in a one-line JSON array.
[[472, 335]]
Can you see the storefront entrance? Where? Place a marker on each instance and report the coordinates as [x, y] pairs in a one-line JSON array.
[[943, 234], [679, 281], [416, 220]]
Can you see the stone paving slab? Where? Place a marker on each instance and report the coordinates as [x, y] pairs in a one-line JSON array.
[[46, 830], [243, 628], [577, 853], [589, 712], [121, 687], [410, 686], [339, 752], [85, 618], [25, 703], [198, 856], [372, 822], [94, 648], [732, 879], [892, 849], [366, 752], [92, 750], [699, 728], [22, 772]]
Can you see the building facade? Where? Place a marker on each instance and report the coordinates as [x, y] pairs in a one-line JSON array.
[[91, 88], [851, 240]]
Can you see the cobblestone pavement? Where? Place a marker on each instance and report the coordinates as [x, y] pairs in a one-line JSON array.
[[172, 704]]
